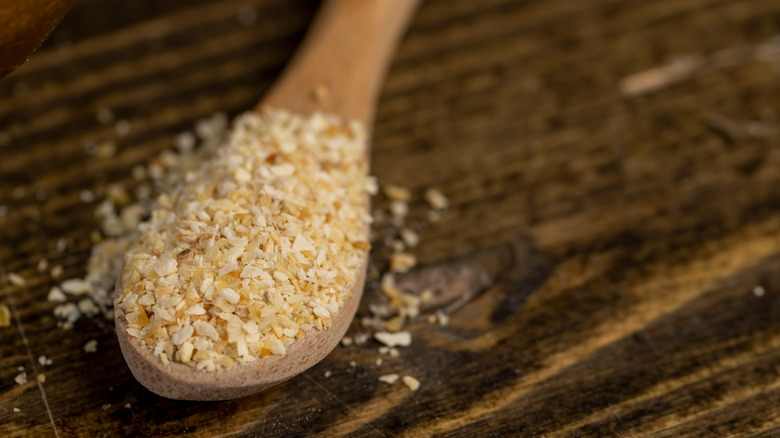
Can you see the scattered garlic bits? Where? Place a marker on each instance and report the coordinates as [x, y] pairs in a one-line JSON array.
[[411, 382], [261, 246], [388, 378]]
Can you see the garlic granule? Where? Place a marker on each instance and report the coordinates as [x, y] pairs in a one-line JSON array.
[[259, 246]]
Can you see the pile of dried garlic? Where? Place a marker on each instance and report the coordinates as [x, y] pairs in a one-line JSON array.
[[258, 247]]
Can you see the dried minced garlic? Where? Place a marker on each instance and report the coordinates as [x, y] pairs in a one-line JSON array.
[[261, 245]]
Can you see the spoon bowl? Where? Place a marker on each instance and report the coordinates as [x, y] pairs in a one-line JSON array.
[[182, 382]]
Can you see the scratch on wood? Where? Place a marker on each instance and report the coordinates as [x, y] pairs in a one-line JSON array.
[[12, 305], [685, 66], [729, 130], [316, 383], [660, 77]]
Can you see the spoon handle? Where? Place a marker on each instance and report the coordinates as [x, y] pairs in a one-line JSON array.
[[342, 61]]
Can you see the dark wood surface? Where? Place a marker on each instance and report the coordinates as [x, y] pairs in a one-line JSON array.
[[614, 175]]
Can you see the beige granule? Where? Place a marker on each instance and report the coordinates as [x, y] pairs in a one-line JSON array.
[[68, 312], [17, 410], [117, 194], [392, 352], [88, 308], [402, 262], [91, 346], [361, 338], [43, 264], [399, 209], [411, 382], [260, 246], [390, 290], [21, 378], [395, 324], [56, 296], [389, 378], [56, 271], [16, 279], [41, 378], [185, 142], [371, 185], [396, 245], [397, 193], [436, 199], [410, 237], [75, 286], [399, 339]]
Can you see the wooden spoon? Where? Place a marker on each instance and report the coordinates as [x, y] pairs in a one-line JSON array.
[[338, 69], [24, 25]]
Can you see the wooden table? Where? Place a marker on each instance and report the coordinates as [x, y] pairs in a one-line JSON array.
[[610, 260]]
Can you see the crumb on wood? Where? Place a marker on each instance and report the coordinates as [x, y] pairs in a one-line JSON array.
[[16, 279], [411, 382], [91, 346]]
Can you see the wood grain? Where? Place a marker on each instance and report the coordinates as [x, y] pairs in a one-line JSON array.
[[598, 261]]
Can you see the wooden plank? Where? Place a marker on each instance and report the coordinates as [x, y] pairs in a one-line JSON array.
[[598, 261]]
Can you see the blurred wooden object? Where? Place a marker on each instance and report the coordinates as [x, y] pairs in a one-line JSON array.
[[24, 25]]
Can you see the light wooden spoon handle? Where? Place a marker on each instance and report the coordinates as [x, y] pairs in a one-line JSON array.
[[340, 65]]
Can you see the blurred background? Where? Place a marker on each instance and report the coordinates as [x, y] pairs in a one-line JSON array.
[[607, 265]]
